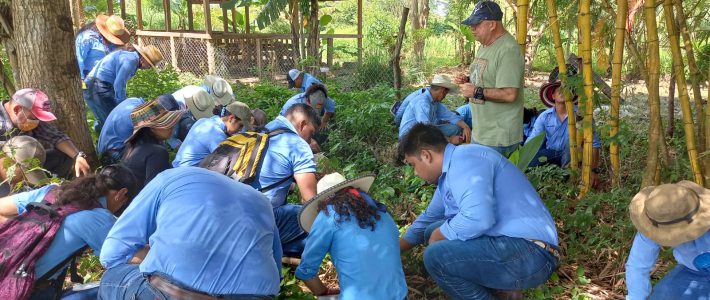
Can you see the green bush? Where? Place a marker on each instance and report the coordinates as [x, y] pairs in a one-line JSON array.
[[149, 84], [703, 57]]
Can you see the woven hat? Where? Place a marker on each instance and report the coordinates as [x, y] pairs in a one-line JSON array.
[[243, 112], [326, 187], [445, 82], [548, 89], [222, 92], [113, 29], [152, 115], [36, 101], [150, 53], [672, 214], [210, 80], [200, 103], [22, 149]]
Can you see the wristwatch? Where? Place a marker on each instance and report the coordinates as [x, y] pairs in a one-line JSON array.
[[479, 94], [80, 154]]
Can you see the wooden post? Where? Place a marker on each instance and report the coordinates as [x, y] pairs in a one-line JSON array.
[[234, 19], [258, 56], [246, 19], [210, 57], [166, 7], [123, 8], [109, 7], [190, 21], [329, 57], [225, 23], [139, 14], [359, 32], [208, 17], [173, 54], [396, 68]]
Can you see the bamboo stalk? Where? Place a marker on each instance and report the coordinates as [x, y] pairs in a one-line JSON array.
[[586, 53], [682, 91], [562, 66], [653, 97], [622, 7], [522, 24]]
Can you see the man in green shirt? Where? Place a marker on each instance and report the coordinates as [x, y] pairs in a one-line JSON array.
[[495, 83]]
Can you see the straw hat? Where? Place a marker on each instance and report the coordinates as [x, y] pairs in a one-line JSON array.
[[113, 29], [200, 103], [152, 115], [150, 53], [672, 214], [326, 187], [445, 82], [547, 90], [22, 149], [222, 92]]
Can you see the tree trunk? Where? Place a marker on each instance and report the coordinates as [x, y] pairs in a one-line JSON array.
[[653, 99], [420, 15], [396, 68], [295, 33], [313, 41], [44, 37], [587, 74], [671, 108], [682, 92], [617, 58]]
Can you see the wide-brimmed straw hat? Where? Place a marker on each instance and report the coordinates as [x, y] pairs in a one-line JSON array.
[[445, 82], [672, 214], [150, 53], [152, 115], [548, 89], [113, 29], [200, 103], [222, 92], [326, 187]]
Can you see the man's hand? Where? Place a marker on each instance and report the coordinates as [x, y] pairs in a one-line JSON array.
[[81, 167], [436, 236], [461, 78], [455, 139], [595, 180], [314, 146], [467, 90]]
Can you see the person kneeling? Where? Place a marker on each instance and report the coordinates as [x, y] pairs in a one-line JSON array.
[[360, 236]]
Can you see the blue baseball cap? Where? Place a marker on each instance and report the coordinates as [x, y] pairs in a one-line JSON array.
[[484, 10]]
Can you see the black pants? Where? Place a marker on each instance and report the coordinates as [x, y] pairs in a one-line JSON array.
[[59, 163]]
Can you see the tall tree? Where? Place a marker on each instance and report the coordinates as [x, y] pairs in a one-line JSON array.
[[314, 24], [420, 16], [622, 7], [654, 66], [586, 53], [44, 37]]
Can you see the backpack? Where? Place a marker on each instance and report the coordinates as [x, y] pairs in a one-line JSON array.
[[240, 155], [24, 239]]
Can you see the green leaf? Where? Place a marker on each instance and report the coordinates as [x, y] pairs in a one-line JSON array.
[[325, 20], [529, 150]]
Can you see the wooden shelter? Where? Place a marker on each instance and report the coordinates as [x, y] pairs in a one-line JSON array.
[[226, 52]]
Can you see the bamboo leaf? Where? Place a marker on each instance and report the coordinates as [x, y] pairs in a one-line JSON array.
[[270, 12]]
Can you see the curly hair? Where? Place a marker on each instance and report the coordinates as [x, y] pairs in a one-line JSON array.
[[347, 205], [84, 191]]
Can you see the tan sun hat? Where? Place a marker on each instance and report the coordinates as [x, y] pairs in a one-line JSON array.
[[445, 82], [22, 149], [113, 29], [150, 53], [200, 103], [672, 214], [326, 187], [222, 92]]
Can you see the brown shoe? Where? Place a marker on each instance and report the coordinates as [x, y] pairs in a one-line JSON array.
[[508, 295]]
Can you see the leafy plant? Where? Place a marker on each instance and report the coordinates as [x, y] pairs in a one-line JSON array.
[[523, 156]]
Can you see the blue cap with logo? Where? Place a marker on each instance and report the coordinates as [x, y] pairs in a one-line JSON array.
[[484, 10]]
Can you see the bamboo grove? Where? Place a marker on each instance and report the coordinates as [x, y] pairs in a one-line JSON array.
[[696, 127]]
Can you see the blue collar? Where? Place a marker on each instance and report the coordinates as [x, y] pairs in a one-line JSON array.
[[446, 164], [104, 203]]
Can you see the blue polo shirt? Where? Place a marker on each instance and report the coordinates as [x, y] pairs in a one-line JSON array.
[[328, 106], [556, 131], [116, 68], [480, 193], [368, 261], [205, 231], [118, 126], [423, 109], [466, 116], [204, 136], [400, 112], [287, 154], [86, 227], [90, 49], [643, 256]]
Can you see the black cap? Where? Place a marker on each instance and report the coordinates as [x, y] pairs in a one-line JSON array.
[[484, 10], [168, 102]]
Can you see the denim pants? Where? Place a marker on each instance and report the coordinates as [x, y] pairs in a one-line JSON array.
[[682, 283], [555, 157], [473, 269], [127, 282], [293, 238], [101, 100]]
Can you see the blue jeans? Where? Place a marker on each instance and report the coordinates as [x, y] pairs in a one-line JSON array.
[[473, 269], [127, 282], [682, 283], [555, 157], [293, 238], [101, 101]]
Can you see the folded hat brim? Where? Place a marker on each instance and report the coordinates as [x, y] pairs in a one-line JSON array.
[[310, 209], [114, 39]]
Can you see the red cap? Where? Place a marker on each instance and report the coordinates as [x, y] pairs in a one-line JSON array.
[[37, 101]]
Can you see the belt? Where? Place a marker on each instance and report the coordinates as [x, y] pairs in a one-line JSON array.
[[547, 247], [177, 292]]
